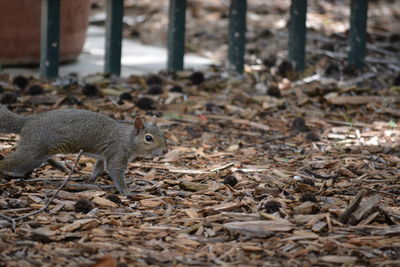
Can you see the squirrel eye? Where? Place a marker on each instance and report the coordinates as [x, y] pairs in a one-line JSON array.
[[148, 138]]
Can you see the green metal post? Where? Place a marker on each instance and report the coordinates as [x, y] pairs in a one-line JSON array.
[[176, 34], [297, 33], [49, 38], [237, 34], [115, 13], [358, 32]]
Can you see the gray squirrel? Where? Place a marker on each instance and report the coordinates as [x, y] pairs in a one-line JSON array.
[[112, 143]]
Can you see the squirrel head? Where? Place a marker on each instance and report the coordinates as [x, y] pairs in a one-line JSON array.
[[149, 140]]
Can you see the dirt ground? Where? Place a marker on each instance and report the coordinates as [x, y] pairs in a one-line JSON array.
[[270, 168]]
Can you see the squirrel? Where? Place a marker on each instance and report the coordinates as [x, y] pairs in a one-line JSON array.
[[112, 143]]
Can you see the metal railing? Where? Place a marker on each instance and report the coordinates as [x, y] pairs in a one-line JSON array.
[[50, 35]]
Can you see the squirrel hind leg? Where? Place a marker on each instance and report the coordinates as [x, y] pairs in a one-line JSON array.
[[97, 170], [21, 162]]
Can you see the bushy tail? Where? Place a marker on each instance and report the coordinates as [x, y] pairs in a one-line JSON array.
[[10, 122]]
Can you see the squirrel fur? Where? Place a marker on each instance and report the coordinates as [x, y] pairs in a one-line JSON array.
[[112, 143]]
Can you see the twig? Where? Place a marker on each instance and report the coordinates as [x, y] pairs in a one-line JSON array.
[[56, 193], [226, 166], [353, 124], [356, 80], [340, 55], [85, 186], [319, 176], [10, 220], [217, 169], [14, 220], [281, 137], [241, 121], [36, 181], [379, 192]]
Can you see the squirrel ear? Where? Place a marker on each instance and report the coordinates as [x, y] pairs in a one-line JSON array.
[[138, 125]]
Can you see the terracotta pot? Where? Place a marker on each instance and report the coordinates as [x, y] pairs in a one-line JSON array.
[[20, 30]]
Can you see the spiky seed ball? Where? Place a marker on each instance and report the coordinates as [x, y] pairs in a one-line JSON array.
[[271, 206], [349, 70], [176, 88], [114, 198], [145, 103], [125, 96], [230, 180], [299, 125], [307, 181], [270, 61], [84, 205], [308, 197], [332, 69], [328, 47], [155, 90], [154, 80], [90, 90], [70, 101], [197, 78], [395, 37], [396, 80], [274, 91], [35, 90], [44, 239], [285, 67], [20, 81], [313, 137], [8, 98]]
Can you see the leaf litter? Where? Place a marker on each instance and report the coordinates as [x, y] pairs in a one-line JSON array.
[[268, 168]]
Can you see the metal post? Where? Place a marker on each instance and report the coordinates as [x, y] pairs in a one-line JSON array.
[[297, 33], [49, 38], [237, 34], [115, 13], [176, 34], [358, 32]]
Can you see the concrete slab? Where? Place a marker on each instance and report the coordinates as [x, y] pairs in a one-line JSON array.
[[137, 58]]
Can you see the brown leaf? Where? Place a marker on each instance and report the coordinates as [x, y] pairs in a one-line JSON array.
[[106, 261], [103, 202]]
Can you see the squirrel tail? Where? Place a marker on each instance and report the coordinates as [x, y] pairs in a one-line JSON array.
[[10, 122]]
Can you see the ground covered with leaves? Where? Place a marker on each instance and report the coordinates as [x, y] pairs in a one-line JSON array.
[[269, 168]]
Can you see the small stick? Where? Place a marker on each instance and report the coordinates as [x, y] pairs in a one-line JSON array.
[[13, 221], [56, 193], [217, 169], [352, 124], [319, 176], [226, 166], [10, 220], [277, 138]]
